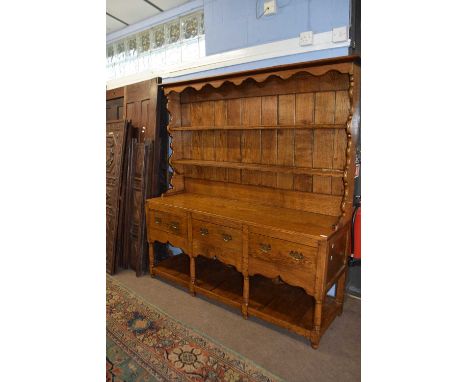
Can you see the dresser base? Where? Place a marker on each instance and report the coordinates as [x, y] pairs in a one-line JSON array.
[[272, 301]]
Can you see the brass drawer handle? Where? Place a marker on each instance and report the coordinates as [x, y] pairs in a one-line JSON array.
[[157, 220], [174, 226], [265, 247], [226, 237], [296, 255], [203, 231]]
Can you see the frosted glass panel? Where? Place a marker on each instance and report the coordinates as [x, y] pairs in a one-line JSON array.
[[158, 48]]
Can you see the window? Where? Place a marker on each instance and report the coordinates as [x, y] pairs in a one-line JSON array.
[[175, 42]]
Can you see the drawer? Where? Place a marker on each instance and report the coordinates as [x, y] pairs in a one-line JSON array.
[[175, 224], [295, 263], [217, 241]]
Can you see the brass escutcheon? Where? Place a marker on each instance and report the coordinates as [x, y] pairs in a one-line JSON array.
[[265, 247], [296, 255], [226, 237], [174, 226]]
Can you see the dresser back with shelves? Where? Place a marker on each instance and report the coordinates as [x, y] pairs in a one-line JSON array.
[[278, 138]]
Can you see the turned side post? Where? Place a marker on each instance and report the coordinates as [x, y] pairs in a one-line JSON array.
[[315, 335], [341, 284], [151, 257], [322, 264], [192, 258], [340, 291], [245, 271]]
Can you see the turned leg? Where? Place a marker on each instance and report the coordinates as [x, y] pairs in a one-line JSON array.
[[151, 257], [245, 305], [192, 275], [315, 334], [340, 292], [245, 270]]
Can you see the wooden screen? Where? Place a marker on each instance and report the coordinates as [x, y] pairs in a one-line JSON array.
[[115, 144], [135, 249], [140, 108]]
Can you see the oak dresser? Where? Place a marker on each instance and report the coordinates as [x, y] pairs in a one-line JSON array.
[[260, 200]]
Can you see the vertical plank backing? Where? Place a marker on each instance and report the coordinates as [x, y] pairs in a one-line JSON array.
[[197, 120], [342, 111], [324, 140], [233, 118], [269, 149], [303, 140], [342, 107], [208, 137], [325, 107], [186, 135], [251, 139], [285, 139], [323, 158], [220, 140], [322, 184]]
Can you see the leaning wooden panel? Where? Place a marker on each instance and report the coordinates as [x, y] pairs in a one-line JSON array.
[[115, 144], [262, 190], [135, 249]]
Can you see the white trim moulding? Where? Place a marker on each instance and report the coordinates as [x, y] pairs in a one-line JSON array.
[[322, 41]]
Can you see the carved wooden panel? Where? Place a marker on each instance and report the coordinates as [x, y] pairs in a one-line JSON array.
[[135, 247], [115, 144]]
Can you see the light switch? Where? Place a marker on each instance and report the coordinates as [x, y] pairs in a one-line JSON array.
[[340, 34], [306, 38]]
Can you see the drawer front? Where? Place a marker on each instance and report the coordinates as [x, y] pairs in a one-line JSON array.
[[173, 224], [295, 263], [217, 241]]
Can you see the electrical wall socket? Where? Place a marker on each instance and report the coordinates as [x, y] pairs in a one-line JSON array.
[[269, 7], [306, 38], [340, 34]]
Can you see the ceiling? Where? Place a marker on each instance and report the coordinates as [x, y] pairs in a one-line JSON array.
[[120, 13]]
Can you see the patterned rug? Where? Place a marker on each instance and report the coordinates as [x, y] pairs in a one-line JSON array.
[[145, 344]]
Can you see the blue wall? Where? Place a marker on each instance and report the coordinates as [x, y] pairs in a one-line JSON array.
[[232, 24]]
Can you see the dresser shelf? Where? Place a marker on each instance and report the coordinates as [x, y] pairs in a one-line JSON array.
[[261, 167], [260, 127], [272, 301]]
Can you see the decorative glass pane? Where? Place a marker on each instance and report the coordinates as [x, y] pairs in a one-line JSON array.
[[158, 37], [190, 26], [132, 45], [201, 24], [159, 47], [144, 42], [121, 47], [172, 32], [110, 50]]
